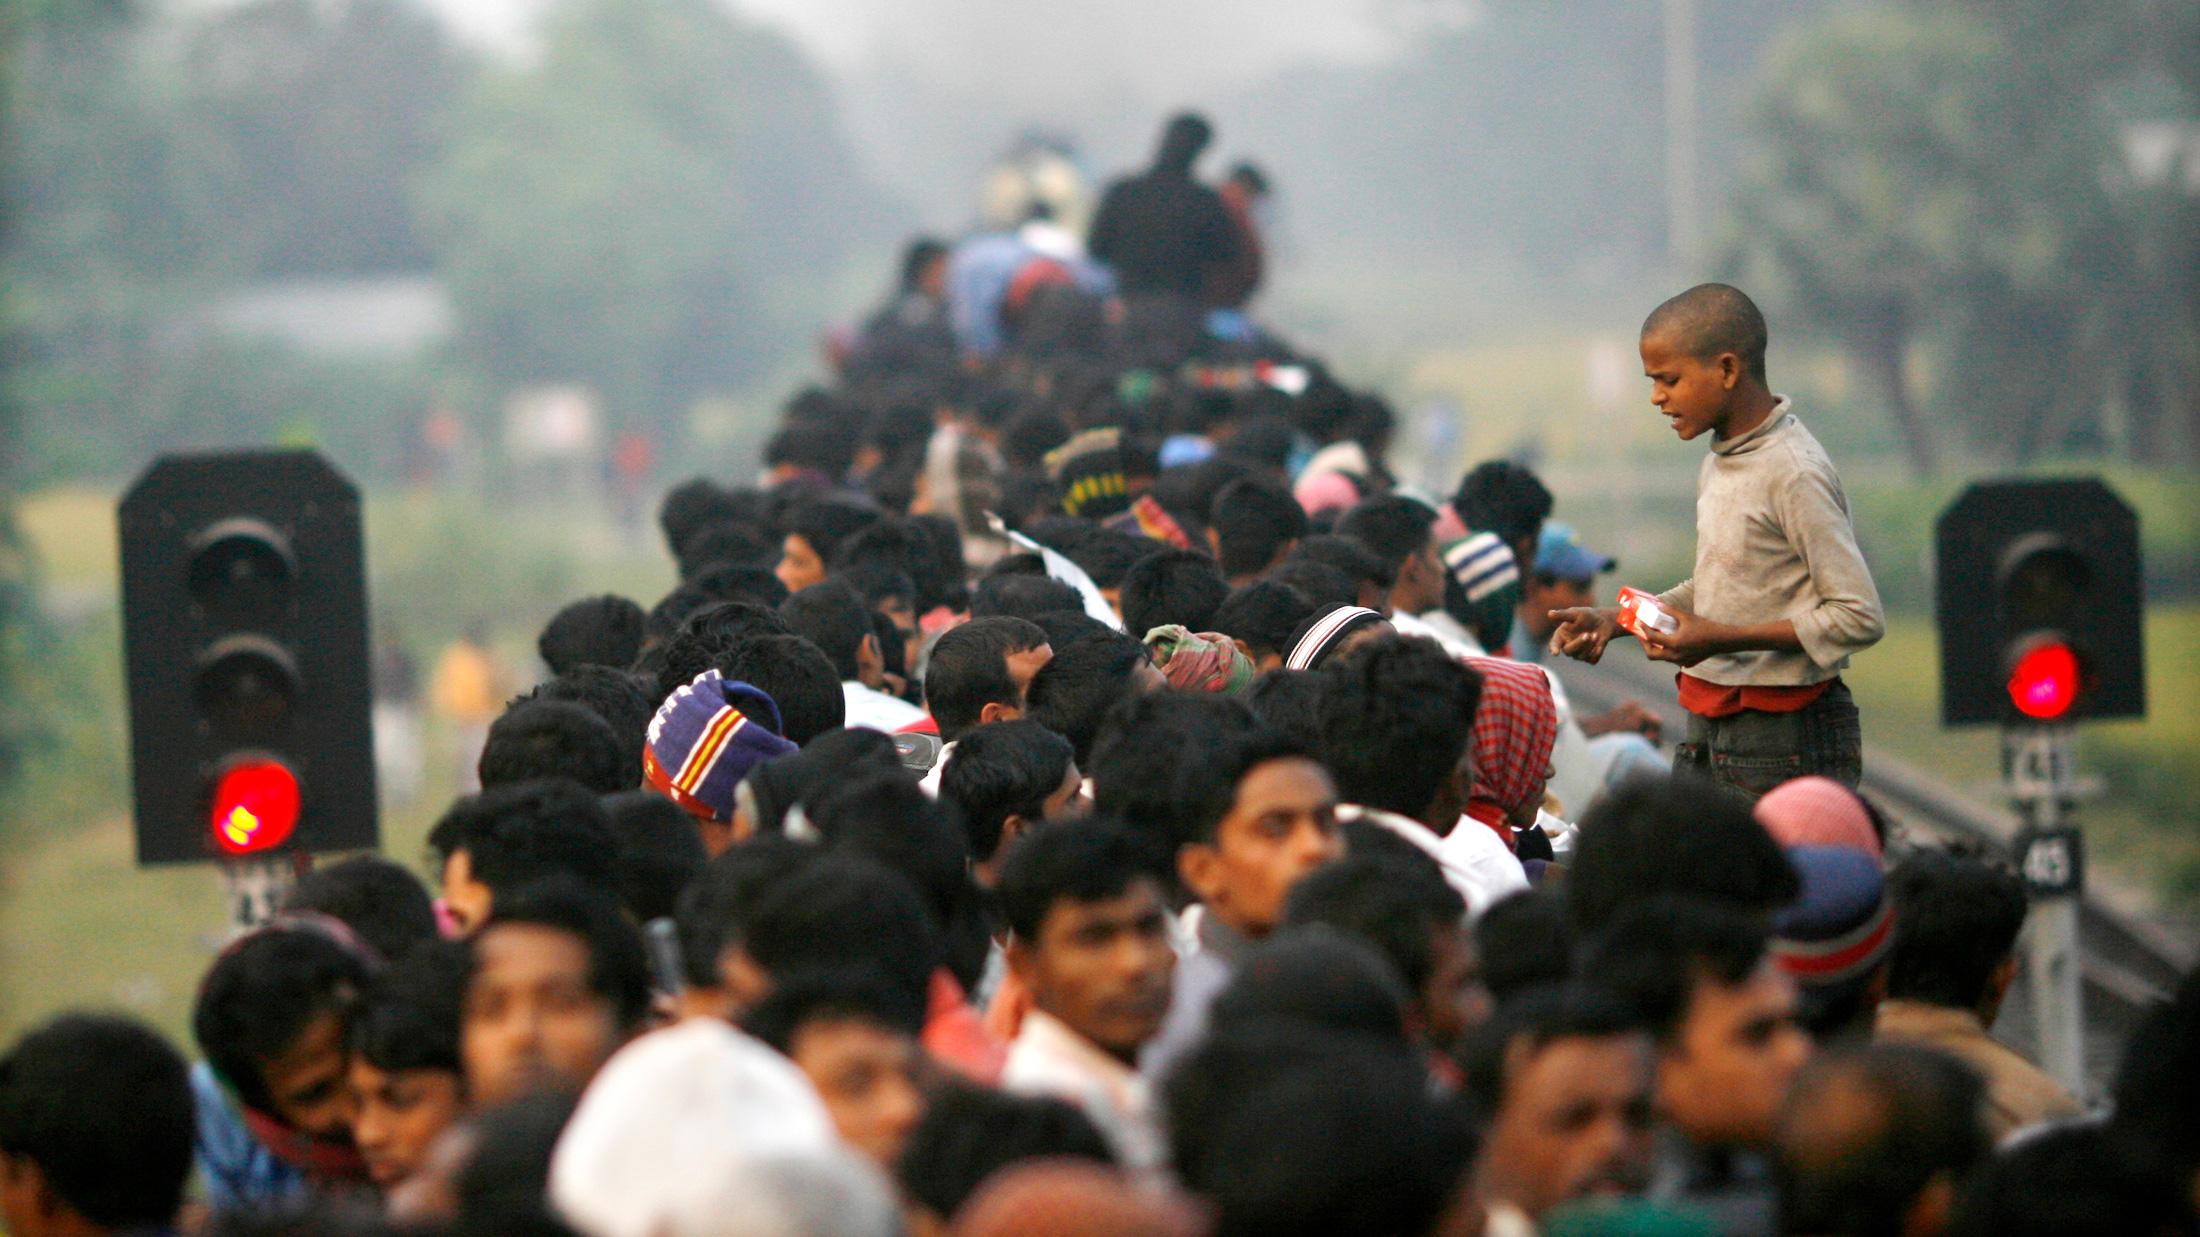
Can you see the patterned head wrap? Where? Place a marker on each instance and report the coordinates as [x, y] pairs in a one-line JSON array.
[[1515, 727], [1205, 661], [705, 739]]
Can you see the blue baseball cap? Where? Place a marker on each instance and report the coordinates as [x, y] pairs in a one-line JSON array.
[[1560, 554]]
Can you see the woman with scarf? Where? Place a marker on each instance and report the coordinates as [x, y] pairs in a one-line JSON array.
[[1515, 728]]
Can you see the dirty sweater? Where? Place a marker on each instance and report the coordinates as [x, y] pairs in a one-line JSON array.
[[1774, 541]]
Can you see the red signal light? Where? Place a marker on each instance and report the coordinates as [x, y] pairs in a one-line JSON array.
[[255, 807], [2044, 682]]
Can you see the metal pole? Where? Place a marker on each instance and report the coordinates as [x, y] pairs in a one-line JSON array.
[[1680, 136], [2041, 779]]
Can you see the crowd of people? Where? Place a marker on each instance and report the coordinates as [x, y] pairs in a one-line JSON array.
[[1075, 789]]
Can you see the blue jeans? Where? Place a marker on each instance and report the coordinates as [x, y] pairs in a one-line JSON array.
[[1753, 751]]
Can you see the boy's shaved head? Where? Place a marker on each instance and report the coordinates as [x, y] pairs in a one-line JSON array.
[[1712, 318]]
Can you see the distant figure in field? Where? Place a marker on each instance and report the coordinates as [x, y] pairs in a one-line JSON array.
[[1163, 232]]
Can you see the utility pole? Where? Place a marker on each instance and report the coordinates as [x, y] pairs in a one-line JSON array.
[[1683, 237]]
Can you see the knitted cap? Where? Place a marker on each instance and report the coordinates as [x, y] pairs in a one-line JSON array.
[[1841, 925], [705, 739], [1483, 586], [1089, 468], [1817, 811], [1322, 637]]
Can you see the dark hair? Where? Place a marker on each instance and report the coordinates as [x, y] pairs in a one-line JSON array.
[[724, 544], [713, 911], [1499, 496], [504, 1187], [514, 835], [995, 772], [1021, 594], [776, 787], [692, 505], [1393, 527], [746, 582], [1106, 554], [968, 670], [1538, 1016], [1959, 918], [920, 253], [842, 910], [1322, 585], [550, 738], [826, 522], [1289, 702], [1142, 762], [1172, 586], [827, 447], [263, 993], [1678, 835], [659, 852], [1085, 679], [1396, 908], [798, 677], [846, 994], [382, 903], [704, 640], [1255, 520], [1396, 717], [1263, 614], [1712, 318], [1069, 860], [304, 1215], [623, 698], [1928, 1119], [2073, 1181], [618, 969], [1525, 939], [409, 1016], [831, 616], [1315, 976], [968, 1133], [594, 631], [1360, 564], [665, 618], [884, 815], [2159, 1075], [1654, 953], [103, 1106]]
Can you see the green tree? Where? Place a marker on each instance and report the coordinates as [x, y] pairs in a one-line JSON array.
[[651, 208]]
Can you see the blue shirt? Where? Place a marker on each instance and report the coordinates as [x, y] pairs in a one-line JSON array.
[[239, 1172]]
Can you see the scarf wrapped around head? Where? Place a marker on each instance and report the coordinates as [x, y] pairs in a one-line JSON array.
[[1325, 632], [1515, 727], [1205, 661]]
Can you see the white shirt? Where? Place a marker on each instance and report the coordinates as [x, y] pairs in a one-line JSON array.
[[1050, 1059], [1475, 862], [870, 707]]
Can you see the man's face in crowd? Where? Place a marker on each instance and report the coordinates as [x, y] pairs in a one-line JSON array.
[[1692, 392], [800, 565], [1420, 586], [1281, 824], [1543, 595], [1102, 967], [468, 900], [1454, 1001], [1723, 1076], [531, 1019], [399, 1115], [1574, 1122], [306, 1081], [867, 1076]]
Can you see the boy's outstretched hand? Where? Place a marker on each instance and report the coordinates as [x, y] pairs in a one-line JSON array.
[[1583, 631]]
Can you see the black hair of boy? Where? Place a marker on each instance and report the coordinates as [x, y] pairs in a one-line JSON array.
[[742, 582], [1679, 836], [2077, 1180], [1393, 527], [1396, 717], [798, 677], [618, 968], [1959, 920], [530, 831], [1655, 953], [1395, 908], [1524, 940], [843, 910], [1926, 1122], [101, 1107], [1322, 585], [704, 640], [594, 631], [1090, 860], [1255, 521], [713, 911], [968, 1133], [885, 816], [263, 994], [1151, 769], [659, 852], [831, 616], [1502, 497], [995, 772], [844, 994], [1350, 556], [1263, 614], [827, 522], [1086, 678], [968, 670], [382, 902], [1535, 1017], [1171, 586], [623, 698], [408, 1017], [504, 1187], [690, 506], [2154, 1084], [1289, 702], [1018, 594], [550, 738]]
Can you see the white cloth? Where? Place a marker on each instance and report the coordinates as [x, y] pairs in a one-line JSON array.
[[673, 1118], [868, 706], [1475, 862], [1456, 643], [930, 782], [1050, 1059]]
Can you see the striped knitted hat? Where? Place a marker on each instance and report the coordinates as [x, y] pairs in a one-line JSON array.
[[706, 737], [1318, 637], [1482, 586], [1841, 925]]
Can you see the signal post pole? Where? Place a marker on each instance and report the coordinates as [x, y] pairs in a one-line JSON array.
[[2037, 765]]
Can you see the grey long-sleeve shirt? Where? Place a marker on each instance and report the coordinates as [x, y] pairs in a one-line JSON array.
[[1774, 541]]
